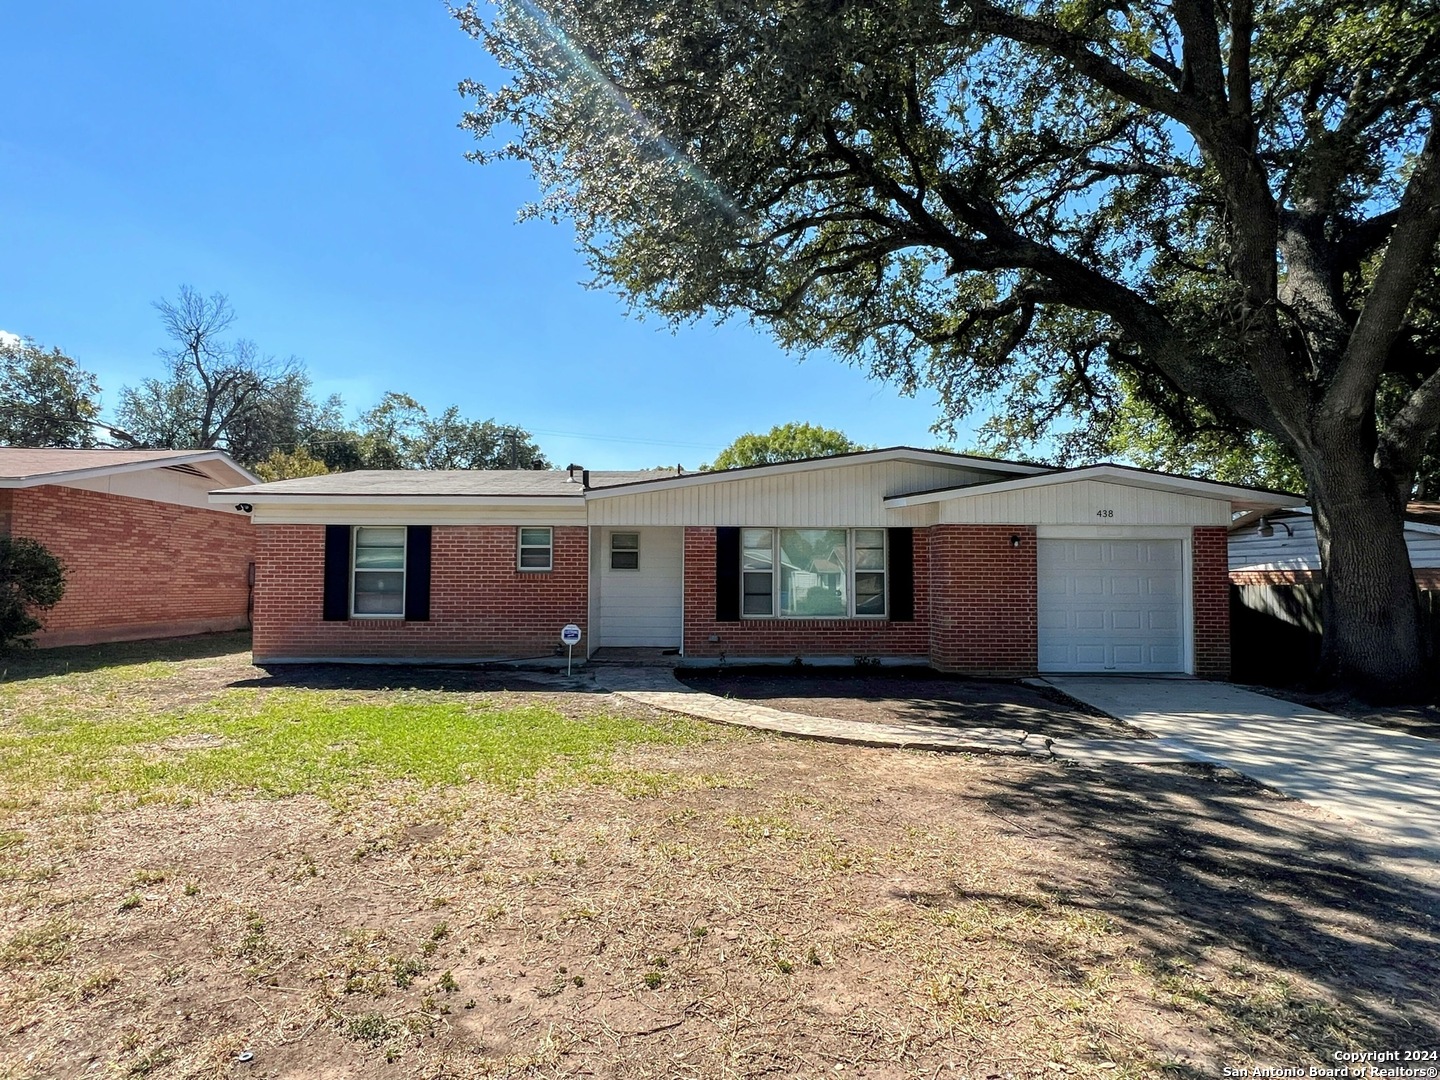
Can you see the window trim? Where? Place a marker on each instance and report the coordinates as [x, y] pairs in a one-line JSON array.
[[521, 547], [636, 550], [850, 571], [404, 572]]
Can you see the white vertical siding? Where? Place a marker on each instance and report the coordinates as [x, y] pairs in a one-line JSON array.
[[1251, 551], [1085, 502], [641, 607], [842, 496]]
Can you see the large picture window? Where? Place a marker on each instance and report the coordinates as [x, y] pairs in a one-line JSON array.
[[378, 572], [812, 573]]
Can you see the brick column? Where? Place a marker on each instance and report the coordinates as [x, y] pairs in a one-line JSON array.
[[1210, 598], [982, 600]]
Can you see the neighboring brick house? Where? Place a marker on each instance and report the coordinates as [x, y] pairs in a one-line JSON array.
[[145, 553], [965, 563]]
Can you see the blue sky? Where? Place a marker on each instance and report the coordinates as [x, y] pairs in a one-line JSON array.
[[305, 160]]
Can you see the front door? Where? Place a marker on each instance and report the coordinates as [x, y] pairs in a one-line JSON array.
[[640, 574]]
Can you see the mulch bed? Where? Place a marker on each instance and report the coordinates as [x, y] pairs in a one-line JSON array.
[[912, 695]]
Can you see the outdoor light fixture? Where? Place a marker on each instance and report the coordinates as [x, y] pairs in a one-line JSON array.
[[244, 508], [1266, 529], [1015, 540]]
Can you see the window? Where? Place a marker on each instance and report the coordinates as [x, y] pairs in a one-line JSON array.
[[822, 573], [757, 571], [378, 572], [624, 551], [537, 547]]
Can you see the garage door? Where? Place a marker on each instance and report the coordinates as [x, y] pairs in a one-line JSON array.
[[1111, 605]]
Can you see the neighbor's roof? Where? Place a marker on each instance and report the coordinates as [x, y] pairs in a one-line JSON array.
[[1107, 471], [390, 483], [22, 466]]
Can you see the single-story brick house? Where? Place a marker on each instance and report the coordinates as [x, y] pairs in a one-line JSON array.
[[145, 553], [965, 563]]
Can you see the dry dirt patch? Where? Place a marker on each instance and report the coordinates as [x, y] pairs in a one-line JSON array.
[[736, 906]]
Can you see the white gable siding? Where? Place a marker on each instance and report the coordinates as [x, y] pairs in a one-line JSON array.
[[157, 485], [1082, 502], [843, 496]]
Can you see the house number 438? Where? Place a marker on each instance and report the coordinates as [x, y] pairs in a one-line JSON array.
[[1104, 513]]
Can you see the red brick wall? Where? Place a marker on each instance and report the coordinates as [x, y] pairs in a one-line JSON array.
[[7, 505], [1210, 596], [795, 637], [136, 568], [982, 619], [480, 604]]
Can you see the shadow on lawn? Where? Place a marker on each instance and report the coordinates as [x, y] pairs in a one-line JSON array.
[[462, 679], [1205, 864], [19, 664]]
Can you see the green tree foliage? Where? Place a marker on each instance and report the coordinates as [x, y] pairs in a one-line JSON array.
[[1232, 205], [784, 442], [400, 433], [31, 579], [46, 398], [289, 465]]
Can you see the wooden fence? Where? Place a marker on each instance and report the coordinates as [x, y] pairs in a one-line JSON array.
[[1275, 630]]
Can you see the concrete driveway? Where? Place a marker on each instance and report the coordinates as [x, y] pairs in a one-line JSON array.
[[1384, 780]]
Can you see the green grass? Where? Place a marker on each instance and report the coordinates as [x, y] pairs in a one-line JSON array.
[[89, 736]]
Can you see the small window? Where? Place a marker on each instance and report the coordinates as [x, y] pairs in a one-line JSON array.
[[624, 551], [757, 571], [870, 572], [537, 549], [378, 573]]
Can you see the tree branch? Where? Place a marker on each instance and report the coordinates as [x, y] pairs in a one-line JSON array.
[[1409, 255]]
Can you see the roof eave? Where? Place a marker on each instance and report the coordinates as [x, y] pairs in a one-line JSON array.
[[893, 453], [1184, 485], [234, 496], [67, 475]]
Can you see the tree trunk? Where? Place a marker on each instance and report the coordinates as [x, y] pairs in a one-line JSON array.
[[1374, 639]]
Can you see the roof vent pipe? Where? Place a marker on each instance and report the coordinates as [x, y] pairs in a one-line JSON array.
[[571, 470], [585, 479]]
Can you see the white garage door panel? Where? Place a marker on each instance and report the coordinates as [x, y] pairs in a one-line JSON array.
[[1111, 605]]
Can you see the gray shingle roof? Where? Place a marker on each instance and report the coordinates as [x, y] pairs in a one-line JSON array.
[[522, 483]]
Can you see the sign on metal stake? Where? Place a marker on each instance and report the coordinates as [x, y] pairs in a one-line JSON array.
[[569, 637]]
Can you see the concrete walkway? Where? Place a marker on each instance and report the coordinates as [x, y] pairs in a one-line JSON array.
[[1385, 780]]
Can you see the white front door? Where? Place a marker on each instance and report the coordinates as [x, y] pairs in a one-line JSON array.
[[1111, 605], [640, 574]]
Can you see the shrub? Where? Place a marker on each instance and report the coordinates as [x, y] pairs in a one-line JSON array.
[[30, 578]]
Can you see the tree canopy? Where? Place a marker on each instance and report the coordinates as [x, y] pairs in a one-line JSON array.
[[46, 398], [784, 442], [220, 392], [1227, 209]]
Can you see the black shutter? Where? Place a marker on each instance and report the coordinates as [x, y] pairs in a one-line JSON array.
[[417, 573], [727, 575], [337, 573], [902, 574]]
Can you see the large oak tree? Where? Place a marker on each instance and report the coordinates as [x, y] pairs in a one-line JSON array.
[[1231, 205]]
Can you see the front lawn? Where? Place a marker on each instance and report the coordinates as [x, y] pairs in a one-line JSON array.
[[392, 873]]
